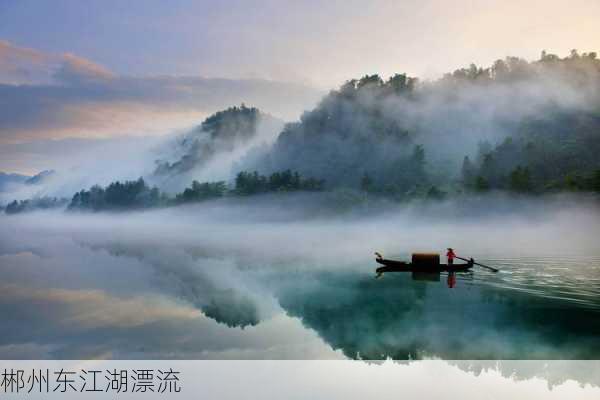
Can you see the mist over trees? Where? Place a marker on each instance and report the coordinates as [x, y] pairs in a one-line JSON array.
[[221, 133], [516, 126], [522, 126], [117, 196], [559, 152], [349, 134], [132, 195], [247, 183], [202, 191], [36, 203]]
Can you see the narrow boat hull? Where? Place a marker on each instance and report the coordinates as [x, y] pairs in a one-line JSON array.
[[401, 266]]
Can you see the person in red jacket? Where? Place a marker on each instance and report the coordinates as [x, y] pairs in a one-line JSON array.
[[450, 254]]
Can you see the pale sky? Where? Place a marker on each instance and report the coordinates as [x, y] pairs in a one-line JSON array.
[[321, 43], [105, 68]]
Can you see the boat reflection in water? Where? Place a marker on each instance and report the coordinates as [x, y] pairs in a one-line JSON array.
[[437, 277], [551, 311]]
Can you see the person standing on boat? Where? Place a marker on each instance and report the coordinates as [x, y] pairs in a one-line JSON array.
[[450, 254]]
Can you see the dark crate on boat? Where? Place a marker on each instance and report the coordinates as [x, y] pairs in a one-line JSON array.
[[425, 259]]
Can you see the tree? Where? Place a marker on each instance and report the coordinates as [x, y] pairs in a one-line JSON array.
[[595, 186], [14, 207], [369, 81], [467, 172], [202, 191], [488, 167], [520, 180], [574, 182], [249, 183], [419, 154], [401, 83], [481, 184], [483, 147], [435, 194], [366, 183]]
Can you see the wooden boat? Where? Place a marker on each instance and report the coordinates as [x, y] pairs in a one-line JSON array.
[[420, 263]]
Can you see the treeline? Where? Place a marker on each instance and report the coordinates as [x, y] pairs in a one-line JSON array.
[[118, 196], [247, 183], [202, 191], [36, 203], [537, 163], [137, 194], [514, 69]]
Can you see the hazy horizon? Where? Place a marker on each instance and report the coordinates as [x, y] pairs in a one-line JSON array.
[[160, 68]]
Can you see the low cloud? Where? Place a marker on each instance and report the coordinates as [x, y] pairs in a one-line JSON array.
[[20, 65], [77, 71], [53, 96]]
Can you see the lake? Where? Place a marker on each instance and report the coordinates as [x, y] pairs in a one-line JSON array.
[[262, 282]]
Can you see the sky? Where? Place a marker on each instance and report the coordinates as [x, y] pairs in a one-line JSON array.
[[316, 42], [101, 69]]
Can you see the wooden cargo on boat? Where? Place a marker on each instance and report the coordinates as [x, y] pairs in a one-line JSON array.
[[420, 262]]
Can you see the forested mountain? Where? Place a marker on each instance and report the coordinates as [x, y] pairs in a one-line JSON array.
[[350, 134], [540, 121], [526, 127], [221, 136], [219, 132]]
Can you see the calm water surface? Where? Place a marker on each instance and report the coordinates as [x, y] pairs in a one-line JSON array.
[[101, 288]]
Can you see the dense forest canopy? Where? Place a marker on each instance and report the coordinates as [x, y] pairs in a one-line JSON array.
[[408, 136]]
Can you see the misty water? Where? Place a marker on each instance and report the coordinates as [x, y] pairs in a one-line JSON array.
[[270, 281], [533, 309]]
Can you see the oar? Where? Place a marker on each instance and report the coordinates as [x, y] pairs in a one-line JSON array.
[[481, 265]]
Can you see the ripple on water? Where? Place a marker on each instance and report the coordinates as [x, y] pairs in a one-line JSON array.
[[573, 279]]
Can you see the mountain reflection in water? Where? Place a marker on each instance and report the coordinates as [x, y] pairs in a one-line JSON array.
[[509, 315], [163, 285]]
